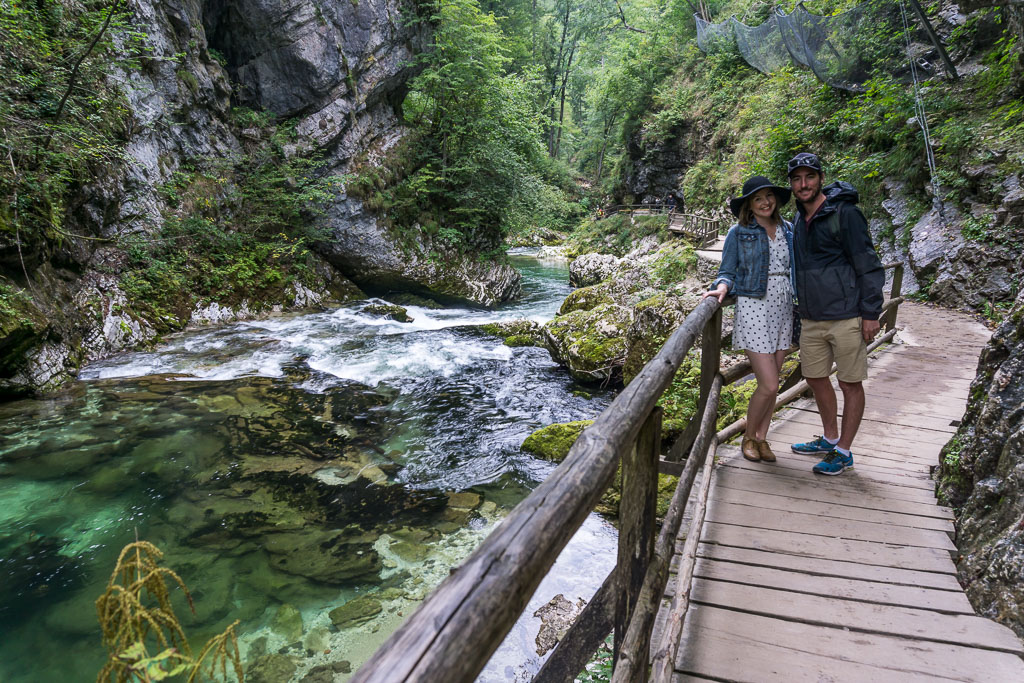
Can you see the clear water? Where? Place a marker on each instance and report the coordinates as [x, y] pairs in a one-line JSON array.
[[302, 461]]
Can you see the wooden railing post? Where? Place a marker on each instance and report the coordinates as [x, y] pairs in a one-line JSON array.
[[636, 520], [895, 292], [710, 357]]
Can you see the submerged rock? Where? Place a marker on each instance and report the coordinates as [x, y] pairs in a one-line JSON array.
[[272, 668], [355, 612], [287, 623], [325, 556]]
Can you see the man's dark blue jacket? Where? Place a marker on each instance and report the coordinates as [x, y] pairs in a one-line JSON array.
[[838, 274]]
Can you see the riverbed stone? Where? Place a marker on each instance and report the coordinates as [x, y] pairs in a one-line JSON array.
[[317, 639], [272, 668], [465, 500], [322, 555], [410, 552], [355, 612], [287, 623]]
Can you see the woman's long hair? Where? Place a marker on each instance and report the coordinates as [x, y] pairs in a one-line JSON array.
[[746, 216]]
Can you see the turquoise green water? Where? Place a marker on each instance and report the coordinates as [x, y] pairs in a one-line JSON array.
[[282, 465]]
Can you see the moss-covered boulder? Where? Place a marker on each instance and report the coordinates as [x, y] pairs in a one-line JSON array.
[[590, 269], [388, 312], [591, 344], [586, 298], [554, 441], [654, 320], [518, 332]]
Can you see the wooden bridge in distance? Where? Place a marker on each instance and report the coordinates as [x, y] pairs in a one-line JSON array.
[[701, 230], [759, 572]]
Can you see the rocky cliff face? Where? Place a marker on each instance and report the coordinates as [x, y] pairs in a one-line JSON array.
[[970, 258], [339, 69], [982, 476], [342, 69]]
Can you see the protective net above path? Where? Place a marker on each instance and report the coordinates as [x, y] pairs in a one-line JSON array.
[[844, 50]]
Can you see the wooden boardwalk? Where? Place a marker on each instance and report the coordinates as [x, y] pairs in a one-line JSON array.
[[850, 578]]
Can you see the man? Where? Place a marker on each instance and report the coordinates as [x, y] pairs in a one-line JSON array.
[[839, 282]]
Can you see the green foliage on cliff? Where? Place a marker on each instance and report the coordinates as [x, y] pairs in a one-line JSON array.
[[238, 227], [476, 168], [60, 122]]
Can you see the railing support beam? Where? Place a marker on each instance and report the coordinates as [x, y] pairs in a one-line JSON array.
[[636, 521]]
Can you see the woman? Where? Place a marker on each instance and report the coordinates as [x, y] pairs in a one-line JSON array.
[[757, 268]]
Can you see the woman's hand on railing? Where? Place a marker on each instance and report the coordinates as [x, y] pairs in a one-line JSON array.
[[719, 292]]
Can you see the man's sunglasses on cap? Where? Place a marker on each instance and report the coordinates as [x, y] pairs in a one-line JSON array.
[[805, 159]]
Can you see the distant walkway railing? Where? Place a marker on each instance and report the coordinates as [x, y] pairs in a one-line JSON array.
[[456, 630], [702, 230]]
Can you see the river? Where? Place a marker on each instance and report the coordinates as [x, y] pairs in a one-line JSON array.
[[285, 467]]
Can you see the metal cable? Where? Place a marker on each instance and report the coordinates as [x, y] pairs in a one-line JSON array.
[[922, 115]]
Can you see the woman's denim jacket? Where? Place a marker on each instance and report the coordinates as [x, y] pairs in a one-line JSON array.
[[745, 260]]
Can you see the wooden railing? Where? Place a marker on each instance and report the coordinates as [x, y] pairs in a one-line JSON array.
[[455, 631], [702, 229]]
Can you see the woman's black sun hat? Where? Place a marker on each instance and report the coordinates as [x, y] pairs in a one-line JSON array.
[[755, 183]]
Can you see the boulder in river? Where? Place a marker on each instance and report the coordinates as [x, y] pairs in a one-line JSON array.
[[591, 344], [589, 269]]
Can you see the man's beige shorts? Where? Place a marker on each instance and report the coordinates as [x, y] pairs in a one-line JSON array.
[[824, 341]]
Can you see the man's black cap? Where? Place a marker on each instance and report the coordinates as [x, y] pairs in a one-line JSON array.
[[805, 159]]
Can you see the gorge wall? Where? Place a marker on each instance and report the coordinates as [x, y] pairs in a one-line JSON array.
[[982, 476], [337, 72]]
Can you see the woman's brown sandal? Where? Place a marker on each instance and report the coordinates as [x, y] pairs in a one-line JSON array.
[[765, 451], [750, 449]]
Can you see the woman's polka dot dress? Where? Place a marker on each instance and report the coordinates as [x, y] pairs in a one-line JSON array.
[[766, 325]]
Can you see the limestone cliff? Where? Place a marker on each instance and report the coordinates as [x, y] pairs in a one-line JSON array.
[[982, 477]]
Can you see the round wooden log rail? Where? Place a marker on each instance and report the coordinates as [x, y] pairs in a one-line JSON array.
[[454, 632]]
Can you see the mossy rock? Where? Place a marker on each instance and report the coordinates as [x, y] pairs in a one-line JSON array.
[[554, 441], [585, 299], [409, 299], [388, 311], [591, 344], [520, 332], [654, 320], [523, 340]]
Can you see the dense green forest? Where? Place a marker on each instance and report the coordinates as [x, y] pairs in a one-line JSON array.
[[524, 116]]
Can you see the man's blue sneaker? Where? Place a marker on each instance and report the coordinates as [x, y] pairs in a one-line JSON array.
[[819, 445], [834, 463]]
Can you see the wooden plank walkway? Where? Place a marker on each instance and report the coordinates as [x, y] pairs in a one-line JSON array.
[[850, 578]]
